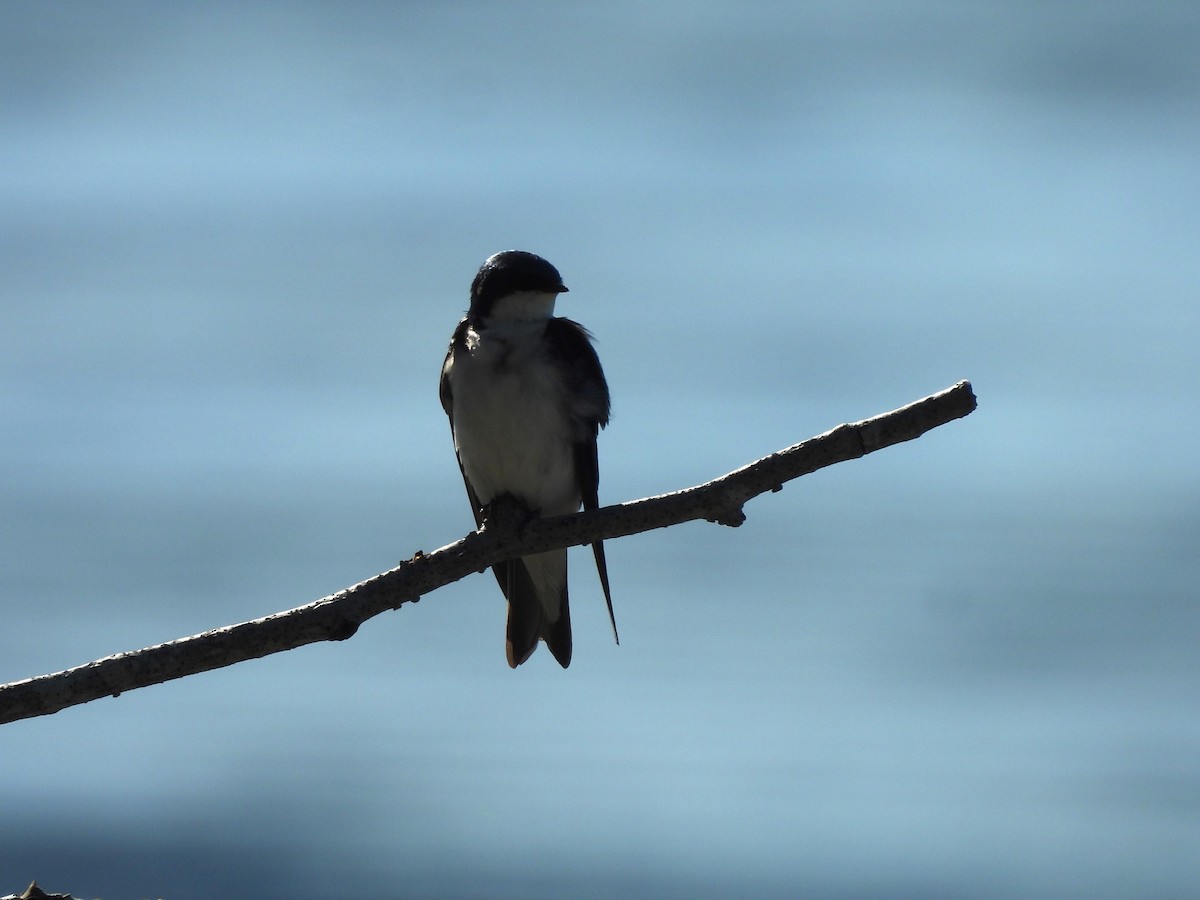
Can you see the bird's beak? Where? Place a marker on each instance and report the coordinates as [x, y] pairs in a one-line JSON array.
[[563, 289]]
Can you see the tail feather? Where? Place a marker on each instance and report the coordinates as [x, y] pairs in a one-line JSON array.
[[557, 635], [602, 568], [528, 621], [524, 611]]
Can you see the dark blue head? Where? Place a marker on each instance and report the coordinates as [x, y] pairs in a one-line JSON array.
[[508, 272]]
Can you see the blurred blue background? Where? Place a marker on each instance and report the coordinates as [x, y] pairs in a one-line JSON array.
[[234, 239]]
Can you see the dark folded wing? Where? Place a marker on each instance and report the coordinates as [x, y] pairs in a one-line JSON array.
[[444, 394], [576, 357]]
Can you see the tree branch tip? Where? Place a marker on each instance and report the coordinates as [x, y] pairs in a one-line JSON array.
[[967, 388]]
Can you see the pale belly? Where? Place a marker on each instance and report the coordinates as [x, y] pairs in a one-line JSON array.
[[512, 433]]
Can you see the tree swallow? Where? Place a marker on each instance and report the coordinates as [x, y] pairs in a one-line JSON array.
[[526, 397]]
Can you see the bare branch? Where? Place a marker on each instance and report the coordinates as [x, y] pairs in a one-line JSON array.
[[506, 535]]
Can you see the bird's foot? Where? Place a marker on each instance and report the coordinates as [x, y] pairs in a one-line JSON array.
[[506, 513]]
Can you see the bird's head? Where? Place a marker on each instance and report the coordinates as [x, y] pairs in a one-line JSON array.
[[514, 285]]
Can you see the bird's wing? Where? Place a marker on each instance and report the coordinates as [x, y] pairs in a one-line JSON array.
[[586, 384], [446, 396]]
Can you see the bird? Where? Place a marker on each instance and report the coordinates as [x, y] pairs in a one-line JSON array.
[[526, 397]]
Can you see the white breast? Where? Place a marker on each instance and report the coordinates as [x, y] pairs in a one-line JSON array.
[[511, 427]]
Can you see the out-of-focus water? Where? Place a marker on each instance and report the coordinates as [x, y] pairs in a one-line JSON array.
[[233, 242]]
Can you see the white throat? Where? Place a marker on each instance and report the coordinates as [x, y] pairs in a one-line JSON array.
[[523, 306]]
